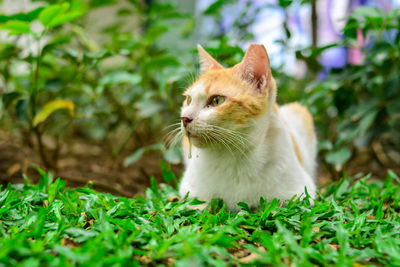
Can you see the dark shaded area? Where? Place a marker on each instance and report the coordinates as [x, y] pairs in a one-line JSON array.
[[81, 163]]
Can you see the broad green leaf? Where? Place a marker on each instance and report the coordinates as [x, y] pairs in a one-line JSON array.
[[324, 145], [368, 12], [63, 18], [173, 155], [16, 27], [215, 7], [339, 156], [367, 120], [139, 153], [120, 77], [29, 16], [52, 12], [50, 108]]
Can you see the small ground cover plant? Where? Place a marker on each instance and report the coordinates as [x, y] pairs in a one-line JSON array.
[[354, 222]]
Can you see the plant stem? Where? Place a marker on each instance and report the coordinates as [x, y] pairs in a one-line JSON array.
[[314, 23], [34, 90], [35, 81]]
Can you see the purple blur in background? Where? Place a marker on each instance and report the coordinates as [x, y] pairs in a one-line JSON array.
[[267, 29]]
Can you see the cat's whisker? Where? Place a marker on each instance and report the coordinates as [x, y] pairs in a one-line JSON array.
[[220, 140], [173, 137], [236, 138], [232, 134], [177, 138], [229, 130], [188, 79], [171, 134], [230, 142], [240, 135], [225, 133], [178, 124], [240, 149]]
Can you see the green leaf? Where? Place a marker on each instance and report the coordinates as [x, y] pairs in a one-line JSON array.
[[50, 108], [215, 7], [324, 145], [268, 209], [16, 27], [64, 18], [173, 155], [80, 235], [339, 156], [120, 77], [367, 120], [368, 12], [52, 12], [29, 17], [139, 153], [168, 175]]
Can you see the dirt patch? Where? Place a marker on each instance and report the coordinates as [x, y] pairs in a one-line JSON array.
[[80, 164]]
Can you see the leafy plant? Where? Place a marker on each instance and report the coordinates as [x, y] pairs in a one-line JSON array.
[[123, 88], [49, 223], [124, 103], [22, 92], [359, 104]]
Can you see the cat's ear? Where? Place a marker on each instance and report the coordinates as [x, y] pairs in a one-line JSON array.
[[207, 62], [255, 67]]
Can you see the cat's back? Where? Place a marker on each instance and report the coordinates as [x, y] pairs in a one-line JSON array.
[[300, 125]]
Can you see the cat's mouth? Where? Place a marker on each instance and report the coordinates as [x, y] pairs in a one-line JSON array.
[[196, 139], [191, 135]]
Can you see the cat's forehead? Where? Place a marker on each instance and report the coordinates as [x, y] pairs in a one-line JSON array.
[[196, 89], [218, 82]]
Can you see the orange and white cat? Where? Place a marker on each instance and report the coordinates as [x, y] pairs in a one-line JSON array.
[[238, 144]]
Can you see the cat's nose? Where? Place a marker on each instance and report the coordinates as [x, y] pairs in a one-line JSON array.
[[186, 120]]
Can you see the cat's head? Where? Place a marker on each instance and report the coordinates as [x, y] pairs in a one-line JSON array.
[[226, 102]]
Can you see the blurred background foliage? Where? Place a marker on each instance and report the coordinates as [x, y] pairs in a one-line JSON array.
[[118, 83]]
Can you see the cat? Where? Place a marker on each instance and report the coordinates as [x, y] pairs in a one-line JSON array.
[[238, 144]]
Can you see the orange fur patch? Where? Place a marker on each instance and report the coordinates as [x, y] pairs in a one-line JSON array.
[[185, 144], [275, 108], [303, 114], [297, 149]]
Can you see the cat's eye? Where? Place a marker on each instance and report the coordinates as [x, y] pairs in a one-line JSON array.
[[188, 100], [217, 100]]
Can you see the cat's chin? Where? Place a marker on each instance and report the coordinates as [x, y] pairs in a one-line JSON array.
[[200, 141]]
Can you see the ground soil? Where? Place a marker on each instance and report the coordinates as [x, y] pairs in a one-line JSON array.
[[82, 162]]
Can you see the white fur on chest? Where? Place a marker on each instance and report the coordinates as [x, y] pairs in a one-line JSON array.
[[269, 170]]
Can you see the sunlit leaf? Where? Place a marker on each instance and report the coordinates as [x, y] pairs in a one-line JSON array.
[[52, 12], [29, 16], [173, 155], [338, 157], [120, 77], [64, 18], [16, 27], [140, 152], [50, 108], [368, 11]]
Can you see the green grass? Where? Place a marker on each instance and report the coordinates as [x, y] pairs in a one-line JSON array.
[[49, 224]]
